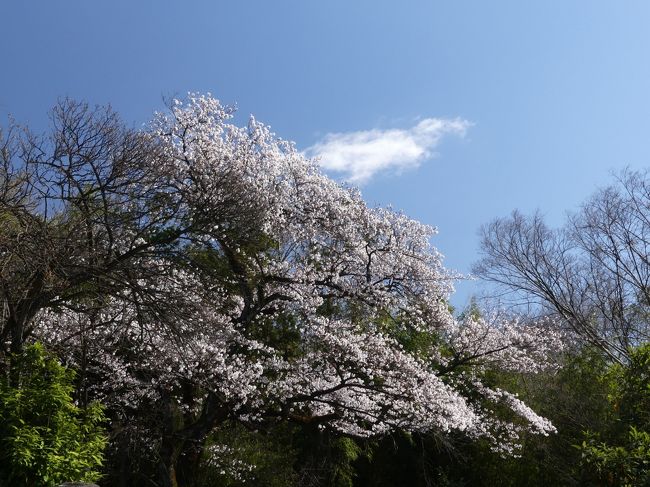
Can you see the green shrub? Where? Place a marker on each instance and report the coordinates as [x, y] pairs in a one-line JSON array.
[[619, 455], [45, 439], [626, 465]]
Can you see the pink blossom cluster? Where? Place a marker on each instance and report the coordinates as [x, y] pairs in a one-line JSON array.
[[307, 312]]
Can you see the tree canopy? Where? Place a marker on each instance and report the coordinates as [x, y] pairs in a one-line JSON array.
[[196, 273]]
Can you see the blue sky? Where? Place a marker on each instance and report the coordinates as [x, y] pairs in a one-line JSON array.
[[471, 108]]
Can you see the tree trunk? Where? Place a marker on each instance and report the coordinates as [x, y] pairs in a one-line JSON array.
[[167, 469], [171, 445], [182, 436]]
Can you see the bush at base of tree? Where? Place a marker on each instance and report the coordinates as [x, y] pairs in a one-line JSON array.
[[45, 438]]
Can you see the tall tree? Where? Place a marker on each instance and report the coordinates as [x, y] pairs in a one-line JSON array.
[[198, 272], [594, 273]]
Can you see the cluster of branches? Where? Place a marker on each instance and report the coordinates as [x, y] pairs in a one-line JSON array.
[[593, 273]]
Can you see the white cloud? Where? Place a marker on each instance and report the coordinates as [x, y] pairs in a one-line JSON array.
[[360, 155]]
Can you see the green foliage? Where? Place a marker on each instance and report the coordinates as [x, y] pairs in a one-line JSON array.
[[626, 465], [630, 387], [345, 452], [619, 454], [586, 394], [45, 439]]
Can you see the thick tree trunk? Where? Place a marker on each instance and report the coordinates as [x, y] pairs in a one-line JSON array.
[[174, 469], [171, 445], [16, 329], [167, 469], [189, 463]]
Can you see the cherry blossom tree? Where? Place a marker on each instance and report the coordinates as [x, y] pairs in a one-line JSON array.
[[204, 272]]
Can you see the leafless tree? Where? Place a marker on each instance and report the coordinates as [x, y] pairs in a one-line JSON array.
[[594, 272], [79, 210]]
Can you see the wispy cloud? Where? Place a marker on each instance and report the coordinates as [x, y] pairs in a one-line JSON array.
[[360, 155]]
